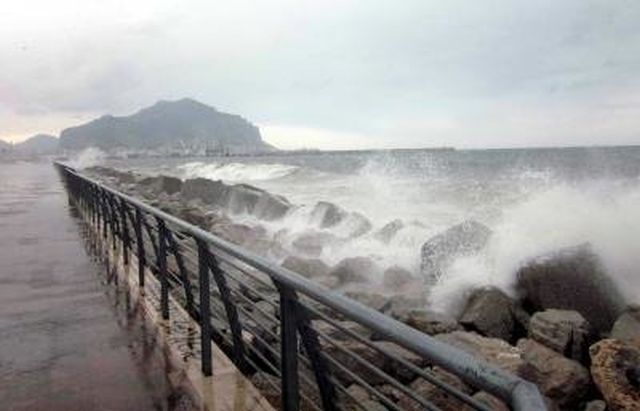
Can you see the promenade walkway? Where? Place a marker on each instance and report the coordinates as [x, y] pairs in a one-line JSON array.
[[64, 344]]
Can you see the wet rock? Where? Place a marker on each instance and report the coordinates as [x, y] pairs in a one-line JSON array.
[[434, 394], [564, 381], [386, 233], [571, 279], [327, 215], [396, 277], [243, 198], [236, 233], [490, 401], [373, 405], [368, 298], [268, 385], [337, 333], [368, 354], [354, 270], [398, 306], [306, 267], [395, 369], [596, 405], [271, 207], [329, 282], [493, 350], [211, 192], [627, 326], [611, 363], [193, 215], [313, 242], [429, 322], [265, 311], [359, 399], [354, 225], [120, 177], [566, 332], [463, 239], [490, 312], [358, 393], [169, 185]]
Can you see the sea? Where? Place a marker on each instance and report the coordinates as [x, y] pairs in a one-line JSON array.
[[535, 201]]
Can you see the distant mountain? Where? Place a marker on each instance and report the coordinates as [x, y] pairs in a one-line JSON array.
[[38, 144], [185, 125], [4, 146]]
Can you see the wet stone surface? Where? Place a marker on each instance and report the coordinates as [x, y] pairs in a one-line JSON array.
[[67, 342]]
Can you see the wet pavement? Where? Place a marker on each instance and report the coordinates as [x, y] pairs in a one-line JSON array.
[[66, 343]]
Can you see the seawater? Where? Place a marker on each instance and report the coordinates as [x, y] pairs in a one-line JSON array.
[[536, 201]]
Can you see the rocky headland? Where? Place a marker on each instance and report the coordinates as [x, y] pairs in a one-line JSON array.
[[567, 329]]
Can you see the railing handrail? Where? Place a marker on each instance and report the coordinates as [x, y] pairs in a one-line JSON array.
[[522, 395]]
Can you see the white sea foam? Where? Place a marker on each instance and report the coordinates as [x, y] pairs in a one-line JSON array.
[[89, 157], [235, 172], [605, 215]]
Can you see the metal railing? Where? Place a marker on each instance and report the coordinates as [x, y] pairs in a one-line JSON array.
[[306, 347]]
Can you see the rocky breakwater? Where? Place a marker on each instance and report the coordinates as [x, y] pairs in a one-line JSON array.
[[565, 327]]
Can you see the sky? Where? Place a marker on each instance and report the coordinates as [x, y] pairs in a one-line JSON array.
[[334, 74]]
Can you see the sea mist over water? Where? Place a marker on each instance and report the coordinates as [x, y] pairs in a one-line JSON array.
[[89, 157], [535, 202]]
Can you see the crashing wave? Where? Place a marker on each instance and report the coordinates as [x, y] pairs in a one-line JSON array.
[[236, 171]]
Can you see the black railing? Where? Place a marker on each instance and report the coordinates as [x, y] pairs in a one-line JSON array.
[[307, 347]]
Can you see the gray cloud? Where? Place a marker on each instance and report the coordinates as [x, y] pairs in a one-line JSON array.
[[418, 73]]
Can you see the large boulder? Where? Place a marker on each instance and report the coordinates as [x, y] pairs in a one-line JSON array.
[[395, 278], [433, 394], [427, 321], [489, 400], [306, 267], [571, 279], [269, 387], [386, 233], [492, 350], [398, 306], [193, 215], [353, 225], [167, 184], [596, 405], [338, 333], [627, 326], [371, 357], [490, 312], [612, 367], [368, 298], [243, 198], [354, 270], [564, 331], [237, 233], [564, 381], [210, 192], [271, 207], [326, 214], [395, 369], [313, 242], [438, 252]]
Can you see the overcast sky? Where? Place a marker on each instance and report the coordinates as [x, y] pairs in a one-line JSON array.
[[334, 74]]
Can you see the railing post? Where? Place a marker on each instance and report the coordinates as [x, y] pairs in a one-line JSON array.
[[162, 266], [205, 307], [105, 215], [231, 311], [140, 246], [309, 338], [113, 220], [125, 232], [289, 350]]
